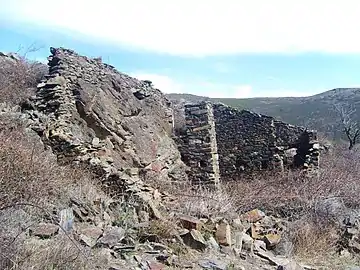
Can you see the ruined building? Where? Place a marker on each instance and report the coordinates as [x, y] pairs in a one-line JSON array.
[[122, 127], [220, 142]]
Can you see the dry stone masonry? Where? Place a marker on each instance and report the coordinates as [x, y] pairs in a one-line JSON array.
[[198, 146], [220, 141], [90, 113]]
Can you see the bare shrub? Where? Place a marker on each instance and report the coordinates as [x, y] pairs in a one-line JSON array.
[[27, 172], [19, 77], [293, 193], [32, 186], [314, 238], [347, 120]]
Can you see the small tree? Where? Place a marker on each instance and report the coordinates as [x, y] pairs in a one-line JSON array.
[[349, 123]]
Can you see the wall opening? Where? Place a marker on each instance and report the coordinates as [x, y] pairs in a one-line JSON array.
[[302, 150], [264, 164], [202, 164]]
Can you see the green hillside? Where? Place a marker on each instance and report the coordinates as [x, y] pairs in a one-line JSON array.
[[315, 112]]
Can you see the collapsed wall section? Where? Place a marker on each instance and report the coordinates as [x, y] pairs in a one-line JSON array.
[[198, 144], [297, 146]]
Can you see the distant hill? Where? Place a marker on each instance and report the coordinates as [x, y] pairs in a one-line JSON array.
[[315, 112]]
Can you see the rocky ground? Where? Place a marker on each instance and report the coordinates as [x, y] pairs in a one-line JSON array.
[[138, 243], [250, 241]]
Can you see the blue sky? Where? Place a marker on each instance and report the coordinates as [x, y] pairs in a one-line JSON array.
[[230, 48]]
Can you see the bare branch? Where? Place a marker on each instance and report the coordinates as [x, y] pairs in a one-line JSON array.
[[19, 76], [347, 118]]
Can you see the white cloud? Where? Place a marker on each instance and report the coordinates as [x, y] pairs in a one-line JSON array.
[[216, 90], [272, 78], [162, 82], [213, 89], [188, 27]]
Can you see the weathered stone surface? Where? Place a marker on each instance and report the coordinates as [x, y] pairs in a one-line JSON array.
[[258, 244], [237, 224], [253, 215], [153, 265], [189, 222], [66, 219], [198, 144], [213, 244], [194, 239], [45, 230], [247, 242], [90, 235], [278, 261], [213, 264], [93, 117], [293, 265], [112, 236], [333, 208], [223, 234], [271, 240]]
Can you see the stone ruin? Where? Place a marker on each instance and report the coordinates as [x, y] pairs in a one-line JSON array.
[[117, 126], [90, 113], [222, 142]]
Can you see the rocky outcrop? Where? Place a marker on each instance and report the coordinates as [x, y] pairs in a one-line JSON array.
[[90, 113]]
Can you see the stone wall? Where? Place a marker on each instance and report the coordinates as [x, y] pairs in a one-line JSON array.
[[121, 127], [245, 143], [198, 144]]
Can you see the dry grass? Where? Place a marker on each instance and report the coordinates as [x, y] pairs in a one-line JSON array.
[[292, 193], [313, 238], [164, 229], [315, 206], [31, 176], [203, 203], [57, 253]]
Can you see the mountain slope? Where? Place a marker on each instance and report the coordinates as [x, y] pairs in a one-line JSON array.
[[316, 112]]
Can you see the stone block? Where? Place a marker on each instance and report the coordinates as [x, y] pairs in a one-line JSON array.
[[190, 223], [253, 216], [45, 230], [194, 239], [223, 234]]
